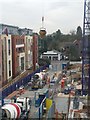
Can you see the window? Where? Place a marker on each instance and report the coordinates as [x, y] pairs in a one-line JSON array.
[[20, 50], [9, 46], [9, 68], [19, 41], [22, 63]]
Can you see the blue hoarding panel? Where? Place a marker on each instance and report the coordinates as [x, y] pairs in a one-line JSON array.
[[9, 90], [20, 83], [4, 93], [17, 84], [23, 81], [13, 87]]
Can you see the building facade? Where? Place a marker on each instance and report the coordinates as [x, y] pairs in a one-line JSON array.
[[52, 55], [12, 30], [6, 48], [28, 52], [18, 51], [18, 54], [35, 50]]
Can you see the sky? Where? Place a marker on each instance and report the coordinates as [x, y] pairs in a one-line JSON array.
[[65, 15]]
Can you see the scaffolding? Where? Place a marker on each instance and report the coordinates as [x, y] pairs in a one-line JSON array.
[[86, 53]]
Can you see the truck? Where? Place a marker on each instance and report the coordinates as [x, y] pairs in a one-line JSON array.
[[36, 81], [39, 80], [16, 110], [40, 95]]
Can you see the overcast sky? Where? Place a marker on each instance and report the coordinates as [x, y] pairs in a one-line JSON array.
[[65, 15]]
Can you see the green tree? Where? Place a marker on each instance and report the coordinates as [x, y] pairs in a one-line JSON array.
[[72, 52], [79, 33], [58, 40]]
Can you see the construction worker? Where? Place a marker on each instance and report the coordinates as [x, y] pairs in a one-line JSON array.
[[62, 85]]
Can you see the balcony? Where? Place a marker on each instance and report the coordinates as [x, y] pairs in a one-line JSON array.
[[19, 46]]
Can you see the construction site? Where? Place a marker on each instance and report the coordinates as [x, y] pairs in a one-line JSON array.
[[60, 90]]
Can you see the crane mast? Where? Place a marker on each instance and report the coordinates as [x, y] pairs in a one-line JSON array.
[[86, 53]]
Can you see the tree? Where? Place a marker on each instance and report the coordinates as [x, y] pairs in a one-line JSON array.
[[79, 33], [58, 40], [58, 34], [72, 32], [72, 52]]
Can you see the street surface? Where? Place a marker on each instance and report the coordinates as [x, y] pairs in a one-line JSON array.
[[61, 102]]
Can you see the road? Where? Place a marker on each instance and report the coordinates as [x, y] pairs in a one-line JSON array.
[[61, 101], [61, 104]]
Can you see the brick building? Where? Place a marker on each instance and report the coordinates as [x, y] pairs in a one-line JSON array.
[[18, 51]]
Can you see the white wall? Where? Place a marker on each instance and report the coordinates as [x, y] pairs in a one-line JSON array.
[[9, 56]]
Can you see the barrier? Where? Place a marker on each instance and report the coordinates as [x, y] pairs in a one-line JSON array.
[[51, 111], [11, 88]]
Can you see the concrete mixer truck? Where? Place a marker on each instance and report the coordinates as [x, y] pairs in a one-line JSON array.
[[16, 110], [39, 80]]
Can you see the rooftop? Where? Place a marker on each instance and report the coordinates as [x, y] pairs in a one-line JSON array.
[[52, 52]]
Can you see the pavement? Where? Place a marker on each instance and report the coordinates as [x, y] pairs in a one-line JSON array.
[[15, 93]]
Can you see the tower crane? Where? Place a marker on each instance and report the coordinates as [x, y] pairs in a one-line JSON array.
[[86, 54]]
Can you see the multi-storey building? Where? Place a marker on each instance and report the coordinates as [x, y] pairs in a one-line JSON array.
[[25, 31], [18, 51], [12, 30], [6, 49]]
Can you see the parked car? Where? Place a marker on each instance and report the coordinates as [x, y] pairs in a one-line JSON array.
[[67, 90], [21, 87], [72, 88], [52, 82]]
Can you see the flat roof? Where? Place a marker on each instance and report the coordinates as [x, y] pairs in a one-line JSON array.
[[51, 52]]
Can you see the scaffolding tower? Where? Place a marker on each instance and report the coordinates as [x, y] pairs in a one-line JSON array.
[[86, 53]]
